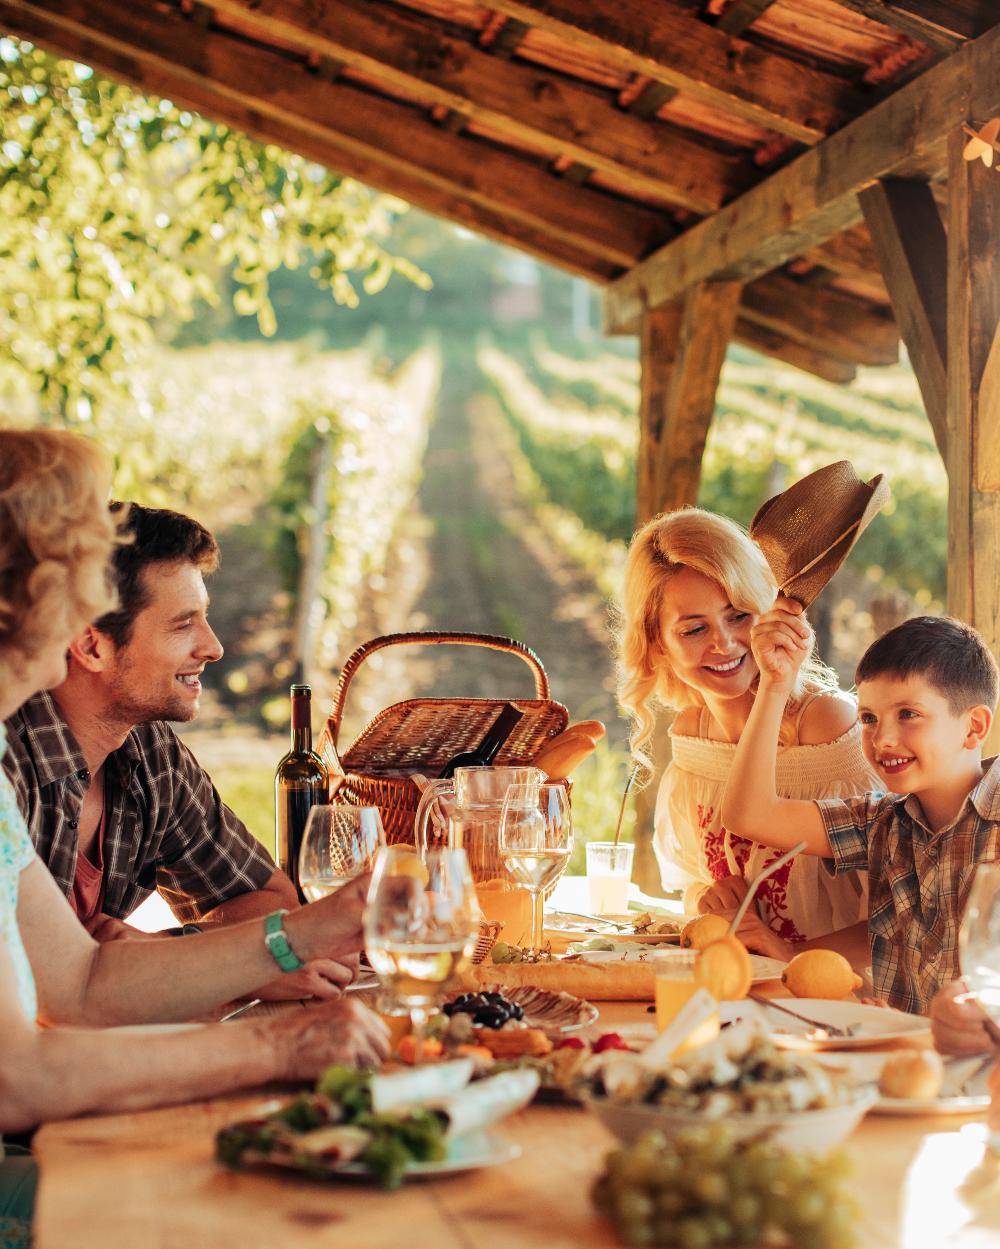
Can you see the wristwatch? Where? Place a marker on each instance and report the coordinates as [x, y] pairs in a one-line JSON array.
[[277, 942]]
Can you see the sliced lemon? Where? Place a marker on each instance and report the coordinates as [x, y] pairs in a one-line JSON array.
[[723, 967]]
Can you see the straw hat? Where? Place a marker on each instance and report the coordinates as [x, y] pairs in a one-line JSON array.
[[807, 531]]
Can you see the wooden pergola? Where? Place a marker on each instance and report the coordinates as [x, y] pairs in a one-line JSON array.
[[785, 173]]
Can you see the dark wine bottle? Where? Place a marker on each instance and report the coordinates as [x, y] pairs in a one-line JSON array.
[[300, 782], [482, 756]]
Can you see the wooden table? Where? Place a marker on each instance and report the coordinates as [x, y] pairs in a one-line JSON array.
[[150, 1181]]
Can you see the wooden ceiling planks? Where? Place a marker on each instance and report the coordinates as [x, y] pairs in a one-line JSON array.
[[585, 134]]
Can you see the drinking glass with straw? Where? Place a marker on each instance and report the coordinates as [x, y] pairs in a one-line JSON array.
[[609, 866]]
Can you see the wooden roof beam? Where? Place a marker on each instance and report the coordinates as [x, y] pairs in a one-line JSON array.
[[515, 98], [676, 48], [822, 319], [769, 343], [942, 23], [275, 85], [815, 196], [741, 15], [909, 237]]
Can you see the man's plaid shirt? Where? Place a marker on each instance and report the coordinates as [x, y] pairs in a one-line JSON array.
[[166, 827], [919, 881]]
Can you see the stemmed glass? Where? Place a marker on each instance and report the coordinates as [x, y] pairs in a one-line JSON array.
[[339, 843], [536, 837], [421, 922], [979, 939]]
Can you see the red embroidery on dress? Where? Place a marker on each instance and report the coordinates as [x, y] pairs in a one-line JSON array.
[[773, 892]]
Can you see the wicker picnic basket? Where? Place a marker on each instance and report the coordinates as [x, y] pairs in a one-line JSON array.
[[422, 734]]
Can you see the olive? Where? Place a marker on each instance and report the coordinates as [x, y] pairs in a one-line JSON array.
[[496, 999], [516, 1012], [490, 1017]]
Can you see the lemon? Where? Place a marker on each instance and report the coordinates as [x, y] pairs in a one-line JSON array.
[[723, 967], [697, 933], [407, 863], [820, 973]]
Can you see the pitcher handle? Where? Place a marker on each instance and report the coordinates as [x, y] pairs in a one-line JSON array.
[[430, 798]]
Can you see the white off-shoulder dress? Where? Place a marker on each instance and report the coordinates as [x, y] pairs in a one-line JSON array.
[[801, 900]]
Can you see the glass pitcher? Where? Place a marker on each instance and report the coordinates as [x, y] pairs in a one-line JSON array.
[[464, 813]]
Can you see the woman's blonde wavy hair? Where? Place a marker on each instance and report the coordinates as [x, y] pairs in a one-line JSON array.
[[717, 548], [56, 536]]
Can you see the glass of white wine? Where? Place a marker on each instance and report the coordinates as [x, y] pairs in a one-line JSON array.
[[421, 922], [536, 838], [979, 939], [339, 843]]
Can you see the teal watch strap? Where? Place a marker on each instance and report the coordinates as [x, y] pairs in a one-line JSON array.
[[277, 942]]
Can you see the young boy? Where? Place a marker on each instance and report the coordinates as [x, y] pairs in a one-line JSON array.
[[926, 695]]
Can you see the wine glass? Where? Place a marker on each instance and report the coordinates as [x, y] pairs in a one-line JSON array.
[[536, 837], [979, 939], [339, 843], [421, 922]]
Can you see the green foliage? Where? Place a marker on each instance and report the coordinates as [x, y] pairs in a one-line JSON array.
[[575, 426], [118, 211]]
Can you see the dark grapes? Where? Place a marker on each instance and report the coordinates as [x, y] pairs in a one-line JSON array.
[[707, 1189]]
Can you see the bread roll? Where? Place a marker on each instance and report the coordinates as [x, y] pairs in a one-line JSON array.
[[915, 1074]]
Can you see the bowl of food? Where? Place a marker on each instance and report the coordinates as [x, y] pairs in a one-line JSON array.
[[752, 1086]]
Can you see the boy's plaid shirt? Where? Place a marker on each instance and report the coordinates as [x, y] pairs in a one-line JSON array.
[[919, 881]]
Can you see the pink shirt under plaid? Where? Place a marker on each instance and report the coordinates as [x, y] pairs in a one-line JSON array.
[[918, 881]]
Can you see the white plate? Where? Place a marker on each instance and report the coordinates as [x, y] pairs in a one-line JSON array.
[[766, 968], [866, 1069], [151, 1029], [465, 1153], [878, 1024]]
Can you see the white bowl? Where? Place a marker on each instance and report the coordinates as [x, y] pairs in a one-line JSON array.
[[815, 1131]]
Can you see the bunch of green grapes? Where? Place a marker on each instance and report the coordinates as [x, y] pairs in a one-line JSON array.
[[705, 1189]]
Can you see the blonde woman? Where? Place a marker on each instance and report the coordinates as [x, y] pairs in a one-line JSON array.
[[694, 584], [55, 538]]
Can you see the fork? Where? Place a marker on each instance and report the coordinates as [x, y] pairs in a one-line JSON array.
[[828, 1028]]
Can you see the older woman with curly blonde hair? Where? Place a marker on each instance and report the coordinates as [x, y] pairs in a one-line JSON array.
[[56, 535], [694, 584]]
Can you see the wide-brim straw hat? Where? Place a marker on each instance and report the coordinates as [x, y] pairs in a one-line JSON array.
[[808, 530]]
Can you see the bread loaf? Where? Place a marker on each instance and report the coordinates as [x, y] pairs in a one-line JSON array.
[[616, 981]]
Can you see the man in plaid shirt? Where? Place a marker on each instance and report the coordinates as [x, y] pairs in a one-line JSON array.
[[115, 803], [927, 691]]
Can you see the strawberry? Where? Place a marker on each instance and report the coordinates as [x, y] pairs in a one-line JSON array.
[[610, 1041]]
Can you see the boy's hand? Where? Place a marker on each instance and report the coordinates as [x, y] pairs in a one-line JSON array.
[[958, 1027], [780, 640]]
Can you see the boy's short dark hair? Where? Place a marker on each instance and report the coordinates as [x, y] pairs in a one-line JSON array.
[[947, 653], [152, 535]]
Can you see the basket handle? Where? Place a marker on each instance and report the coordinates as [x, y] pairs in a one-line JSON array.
[[430, 638]]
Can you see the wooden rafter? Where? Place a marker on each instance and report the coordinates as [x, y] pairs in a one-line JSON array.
[[815, 196], [769, 343], [741, 15], [700, 60], [824, 320], [202, 97], [909, 238], [941, 23], [515, 98], [276, 85]]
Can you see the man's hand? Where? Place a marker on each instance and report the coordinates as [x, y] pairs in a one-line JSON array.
[[330, 928], [307, 1041], [323, 978], [780, 640], [958, 1027], [106, 928], [723, 896]]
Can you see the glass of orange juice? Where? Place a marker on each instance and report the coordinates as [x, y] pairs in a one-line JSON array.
[[675, 985]]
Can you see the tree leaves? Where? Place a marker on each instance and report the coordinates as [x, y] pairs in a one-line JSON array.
[[120, 212]]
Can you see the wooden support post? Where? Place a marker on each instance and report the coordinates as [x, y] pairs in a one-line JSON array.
[[682, 351], [973, 453], [683, 348], [909, 240]]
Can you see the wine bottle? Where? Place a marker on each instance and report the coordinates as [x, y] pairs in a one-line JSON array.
[[482, 756], [300, 782]]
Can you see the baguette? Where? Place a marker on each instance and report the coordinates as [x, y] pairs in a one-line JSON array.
[[618, 981]]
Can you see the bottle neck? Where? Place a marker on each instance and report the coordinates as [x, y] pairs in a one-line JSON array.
[[301, 721]]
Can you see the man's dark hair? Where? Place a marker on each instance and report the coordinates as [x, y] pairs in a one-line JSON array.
[[152, 535], [948, 654]]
